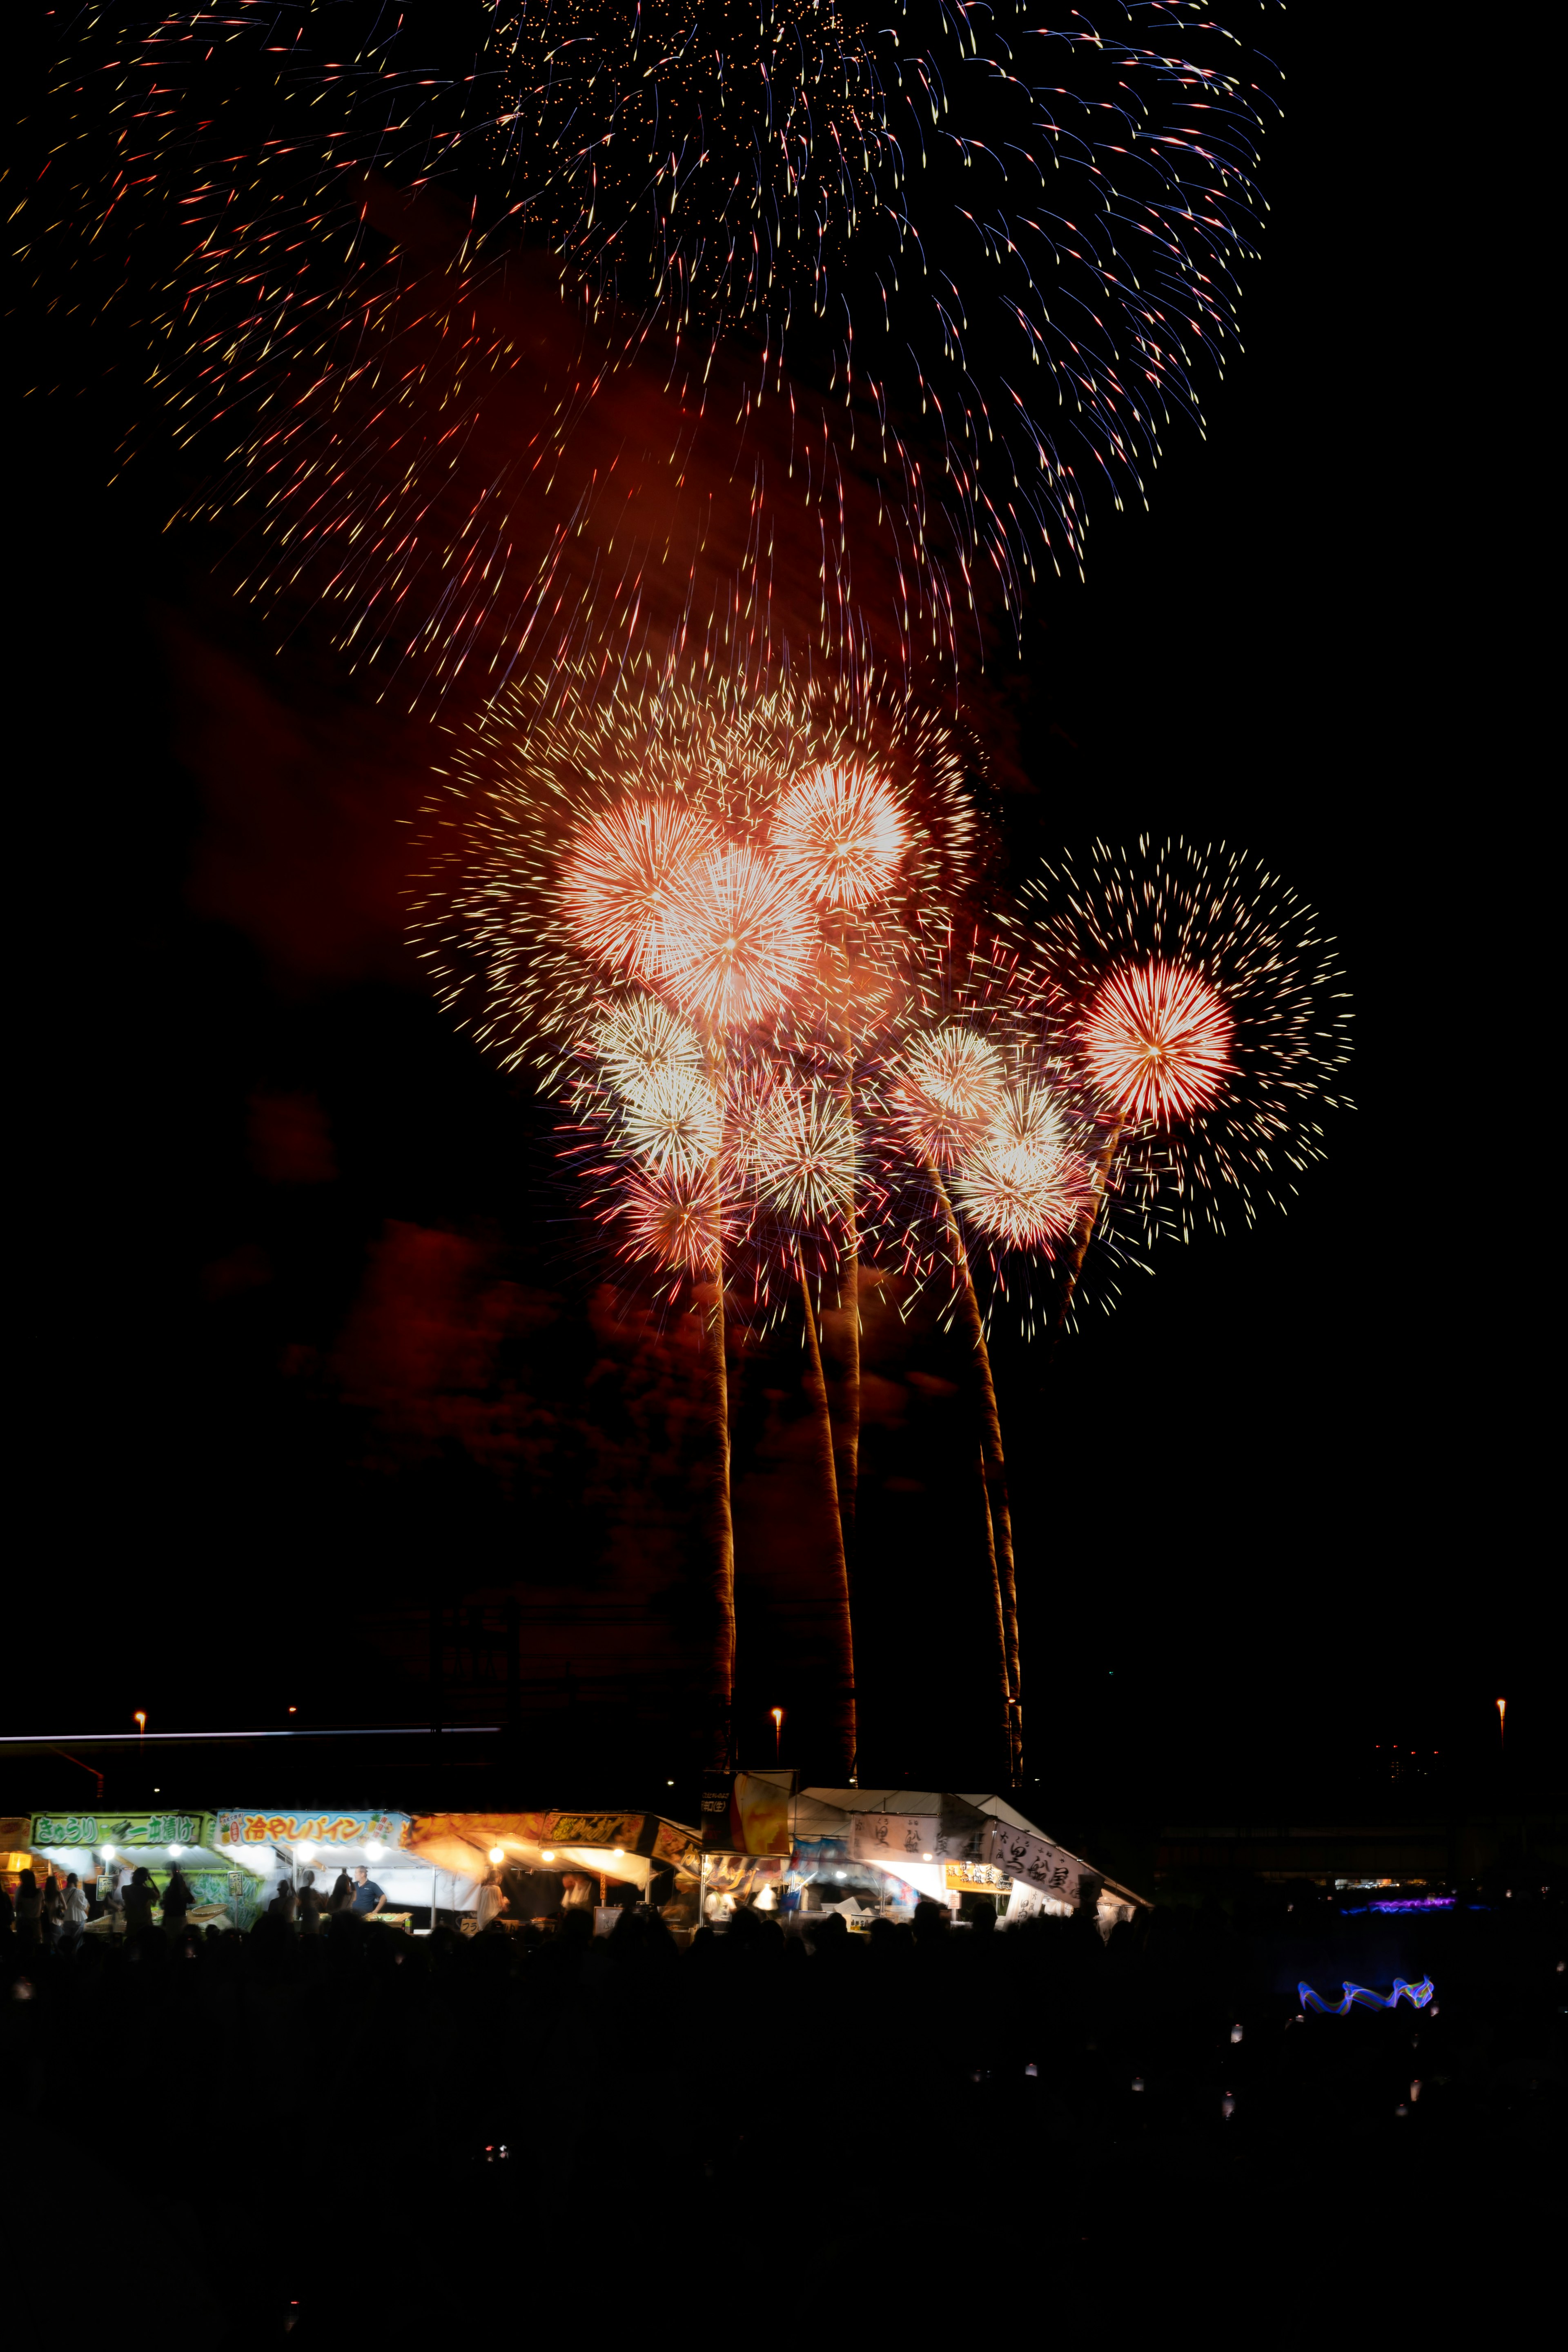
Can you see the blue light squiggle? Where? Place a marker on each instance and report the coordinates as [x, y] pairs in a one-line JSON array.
[[1417, 1995]]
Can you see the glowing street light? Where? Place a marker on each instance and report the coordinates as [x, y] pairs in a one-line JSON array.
[[1502, 1722], [777, 1713]]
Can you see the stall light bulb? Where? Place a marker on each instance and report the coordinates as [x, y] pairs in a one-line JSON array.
[[108, 1852], [616, 1852], [306, 1849], [497, 1854], [925, 1857], [373, 1851], [548, 1854], [177, 1849]]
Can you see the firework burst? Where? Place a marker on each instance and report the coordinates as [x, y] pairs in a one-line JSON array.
[[1210, 1015], [1022, 1183], [1009, 251]]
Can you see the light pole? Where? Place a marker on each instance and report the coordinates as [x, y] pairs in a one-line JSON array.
[[777, 1713], [1502, 1723]]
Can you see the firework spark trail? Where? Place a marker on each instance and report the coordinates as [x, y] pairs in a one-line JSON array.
[[994, 1472], [821, 1428], [1026, 234]]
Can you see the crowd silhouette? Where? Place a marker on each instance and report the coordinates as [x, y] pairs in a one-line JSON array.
[[992, 2119]]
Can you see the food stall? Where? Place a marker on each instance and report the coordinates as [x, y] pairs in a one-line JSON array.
[[869, 1853], [103, 1848], [560, 1858]]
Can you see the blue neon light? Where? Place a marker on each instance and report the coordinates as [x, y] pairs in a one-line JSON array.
[[1417, 1995]]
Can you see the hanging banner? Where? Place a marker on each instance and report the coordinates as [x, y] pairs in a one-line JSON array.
[[122, 1829], [892, 1838], [677, 1848], [238, 1827], [1019, 1853], [746, 1812], [962, 1830]]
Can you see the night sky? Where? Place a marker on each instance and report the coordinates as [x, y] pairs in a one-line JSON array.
[[310, 1339]]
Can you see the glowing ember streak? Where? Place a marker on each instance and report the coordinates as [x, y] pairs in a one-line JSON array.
[[1157, 1042], [1024, 1184], [736, 940], [805, 1155], [950, 1086], [677, 1218], [620, 875], [840, 834]]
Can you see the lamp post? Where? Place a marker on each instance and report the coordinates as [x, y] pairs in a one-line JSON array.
[[1502, 1723], [778, 1714]]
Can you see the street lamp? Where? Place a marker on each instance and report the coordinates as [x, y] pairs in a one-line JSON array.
[[1502, 1723], [777, 1713]]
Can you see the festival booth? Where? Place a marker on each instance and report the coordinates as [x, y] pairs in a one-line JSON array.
[[575, 1856], [104, 1848], [277, 1849], [869, 1853], [427, 1867]]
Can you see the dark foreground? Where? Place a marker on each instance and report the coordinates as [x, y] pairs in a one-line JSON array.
[[417, 2140]]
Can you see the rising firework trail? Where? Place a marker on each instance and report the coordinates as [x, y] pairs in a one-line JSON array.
[[694, 915]]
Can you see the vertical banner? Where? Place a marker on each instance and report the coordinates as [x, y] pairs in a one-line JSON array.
[[746, 1812]]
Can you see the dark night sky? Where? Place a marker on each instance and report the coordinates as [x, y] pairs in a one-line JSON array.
[[306, 1332]]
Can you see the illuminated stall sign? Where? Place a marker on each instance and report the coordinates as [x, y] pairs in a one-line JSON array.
[[974, 1878], [610, 1830], [1018, 1854], [122, 1829], [238, 1827], [894, 1838]]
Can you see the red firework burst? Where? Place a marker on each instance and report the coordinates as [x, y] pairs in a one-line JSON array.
[[618, 877], [1156, 1040]]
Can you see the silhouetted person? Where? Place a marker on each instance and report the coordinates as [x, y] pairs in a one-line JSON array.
[[53, 1909], [177, 1901], [139, 1898], [29, 1910], [312, 1903], [341, 1897]]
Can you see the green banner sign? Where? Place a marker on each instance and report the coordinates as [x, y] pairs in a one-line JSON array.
[[122, 1829]]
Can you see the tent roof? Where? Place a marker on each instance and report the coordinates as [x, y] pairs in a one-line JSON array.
[[931, 1801]]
